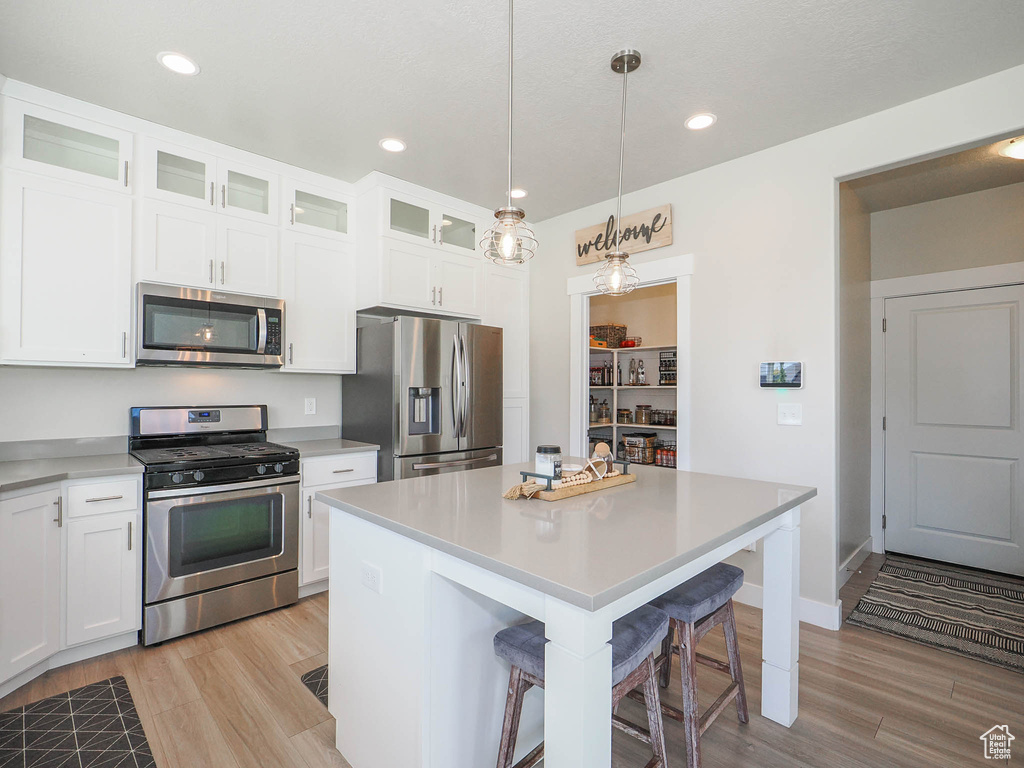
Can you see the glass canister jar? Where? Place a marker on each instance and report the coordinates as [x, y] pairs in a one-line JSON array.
[[549, 461], [643, 414], [604, 413], [625, 416]]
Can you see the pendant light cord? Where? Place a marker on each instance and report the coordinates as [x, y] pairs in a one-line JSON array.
[[508, 191], [622, 143]]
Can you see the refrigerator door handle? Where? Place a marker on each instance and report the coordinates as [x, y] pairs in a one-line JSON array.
[[456, 381], [456, 463], [465, 386]]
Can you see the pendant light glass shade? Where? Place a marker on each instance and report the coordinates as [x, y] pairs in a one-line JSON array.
[[616, 277], [509, 240]]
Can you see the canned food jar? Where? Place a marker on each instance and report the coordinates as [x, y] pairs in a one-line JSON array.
[[549, 461]]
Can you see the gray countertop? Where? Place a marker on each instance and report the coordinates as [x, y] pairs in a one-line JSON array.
[[311, 448], [23, 474], [588, 550]]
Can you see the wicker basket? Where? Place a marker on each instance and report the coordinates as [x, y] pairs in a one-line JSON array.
[[613, 333]]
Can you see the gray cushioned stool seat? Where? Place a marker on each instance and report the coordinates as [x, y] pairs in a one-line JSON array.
[[634, 637], [702, 595]]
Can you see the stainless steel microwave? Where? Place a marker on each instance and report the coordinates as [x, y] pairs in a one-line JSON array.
[[191, 326]]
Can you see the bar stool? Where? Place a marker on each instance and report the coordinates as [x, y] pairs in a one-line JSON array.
[[695, 608], [634, 640]]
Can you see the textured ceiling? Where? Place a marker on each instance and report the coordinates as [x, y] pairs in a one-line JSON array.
[[318, 83], [948, 176]]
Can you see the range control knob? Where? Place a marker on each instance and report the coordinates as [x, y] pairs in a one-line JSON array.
[[279, 467], [199, 475], [262, 469], [177, 477]]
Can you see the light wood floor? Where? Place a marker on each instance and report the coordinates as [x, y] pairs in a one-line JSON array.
[[232, 697]]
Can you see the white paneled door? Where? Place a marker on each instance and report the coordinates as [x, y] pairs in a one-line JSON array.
[[953, 440]]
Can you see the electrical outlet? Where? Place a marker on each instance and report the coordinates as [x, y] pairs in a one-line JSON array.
[[371, 577], [310, 406], [791, 414]]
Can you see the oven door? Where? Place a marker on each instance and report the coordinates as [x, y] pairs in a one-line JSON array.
[[203, 538]]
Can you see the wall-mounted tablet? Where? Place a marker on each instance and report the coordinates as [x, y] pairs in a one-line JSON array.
[[782, 375]]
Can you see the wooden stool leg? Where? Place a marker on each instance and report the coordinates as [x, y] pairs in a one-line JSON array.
[[691, 709], [513, 710], [654, 722], [666, 649], [736, 670]]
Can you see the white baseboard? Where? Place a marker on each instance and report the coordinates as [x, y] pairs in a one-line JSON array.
[[853, 562], [313, 589], [70, 656], [811, 612]]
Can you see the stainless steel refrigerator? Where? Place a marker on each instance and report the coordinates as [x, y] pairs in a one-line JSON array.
[[429, 393]]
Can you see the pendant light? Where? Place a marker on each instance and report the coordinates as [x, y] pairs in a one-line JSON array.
[[616, 277], [509, 240]]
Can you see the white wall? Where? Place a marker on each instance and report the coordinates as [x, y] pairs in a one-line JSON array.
[[763, 229], [853, 458], [975, 230], [53, 403]]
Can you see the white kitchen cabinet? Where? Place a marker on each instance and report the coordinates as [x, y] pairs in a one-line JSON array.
[[429, 220], [29, 581], [507, 305], [178, 175], [184, 245], [314, 210], [103, 597], [247, 192], [361, 469], [459, 284], [65, 273], [426, 279], [66, 147], [319, 290]]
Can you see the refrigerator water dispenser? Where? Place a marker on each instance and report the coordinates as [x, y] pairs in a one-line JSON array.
[[424, 410]]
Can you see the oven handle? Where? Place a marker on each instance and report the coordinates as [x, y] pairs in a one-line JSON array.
[[202, 490], [261, 321]]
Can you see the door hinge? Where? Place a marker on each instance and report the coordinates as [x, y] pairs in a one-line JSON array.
[[883, 325], [883, 522], [883, 423]]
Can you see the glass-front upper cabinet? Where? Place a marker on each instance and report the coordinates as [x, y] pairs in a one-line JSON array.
[[52, 143], [409, 219], [180, 175], [315, 210], [457, 233], [250, 193]]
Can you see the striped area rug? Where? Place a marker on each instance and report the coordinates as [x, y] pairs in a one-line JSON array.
[[971, 613]]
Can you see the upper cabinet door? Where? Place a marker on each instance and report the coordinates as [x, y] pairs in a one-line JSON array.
[[459, 285], [407, 276], [178, 245], [179, 175], [458, 232], [249, 193], [67, 147], [408, 218], [247, 257], [65, 272], [318, 286], [316, 211]]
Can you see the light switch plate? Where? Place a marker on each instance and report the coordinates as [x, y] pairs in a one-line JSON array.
[[311, 406], [791, 414], [370, 577]]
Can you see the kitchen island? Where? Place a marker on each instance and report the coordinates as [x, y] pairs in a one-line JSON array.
[[424, 571]]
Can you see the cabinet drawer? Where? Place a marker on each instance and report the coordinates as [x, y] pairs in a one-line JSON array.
[[99, 498], [339, 469]]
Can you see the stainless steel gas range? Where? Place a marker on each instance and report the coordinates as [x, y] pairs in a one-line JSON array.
[[221, 517]]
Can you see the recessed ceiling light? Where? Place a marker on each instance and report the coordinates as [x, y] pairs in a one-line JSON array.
[[179, 63], [392, 145], [701, 121], [518, 194], [1014, 149]]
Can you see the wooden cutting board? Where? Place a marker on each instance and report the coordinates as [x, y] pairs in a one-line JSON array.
[[578, 490]]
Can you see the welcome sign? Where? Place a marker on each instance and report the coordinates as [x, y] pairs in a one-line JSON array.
[[640, 232]]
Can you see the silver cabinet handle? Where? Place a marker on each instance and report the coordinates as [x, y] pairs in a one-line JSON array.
[[343, 471], [433, 295], [293, 213], [457, 463], [434, 237], [104, 498], [124, 344], [440, 235], [59, 519], [309, 507], [291, 358], [211, 271], [126, 173], [223, 196], [130, 537], [211, 194], [222, 273], [440, 296]]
